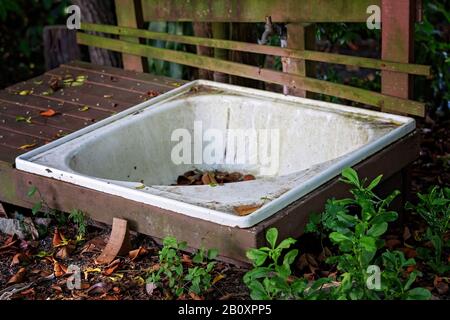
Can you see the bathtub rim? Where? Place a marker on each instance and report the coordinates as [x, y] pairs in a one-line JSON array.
[[406, 126]]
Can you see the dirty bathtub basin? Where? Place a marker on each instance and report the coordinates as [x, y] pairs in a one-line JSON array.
[[292, 145]]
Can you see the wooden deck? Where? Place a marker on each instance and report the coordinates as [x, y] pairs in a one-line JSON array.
[[110, 90]]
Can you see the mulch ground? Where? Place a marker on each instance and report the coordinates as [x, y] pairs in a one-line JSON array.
[[38, 269]]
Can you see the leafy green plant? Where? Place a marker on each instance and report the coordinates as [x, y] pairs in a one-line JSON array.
[[274, 280], [76, 216], [79, 218], [42, 207], [434, 208], [358, 240], [197, 279]]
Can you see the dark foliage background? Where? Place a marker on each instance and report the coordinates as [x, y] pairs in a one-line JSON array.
[[21, 51]]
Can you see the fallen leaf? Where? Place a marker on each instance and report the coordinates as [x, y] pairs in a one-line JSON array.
[[141, 251], [246, 209], [59, 269], [23, 119], [107, 96], [57, 238], [186, 259], [25, 92], [409, 252], [38, 82], [249, 177], [111, 267], [18, 277], [18, 258], [440, 285], [90, 270], [406, 233], [83, 108], [28, 292], [217, 278], [65, 251], [152, 93], [48, 113], [195, 296], [98, 288], [150, 288], [27, 146]]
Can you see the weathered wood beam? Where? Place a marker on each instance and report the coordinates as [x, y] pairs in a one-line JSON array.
[[270, 50], [256, 10], [300, 37], [397, 41], [129, 14], [295, 81]]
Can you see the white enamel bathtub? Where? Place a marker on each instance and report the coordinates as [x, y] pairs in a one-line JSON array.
[[131, 154]]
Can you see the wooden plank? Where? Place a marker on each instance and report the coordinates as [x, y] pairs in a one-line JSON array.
[[256, 10], [300, 37], [62, 121], [231, 242], [295, 81], [292, 53], [40, 103], [165, 83], [8, 154], [397, 45], [14, 139], [129, 14]]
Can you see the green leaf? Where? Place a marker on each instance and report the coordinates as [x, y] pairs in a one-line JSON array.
[[418, 294], [378, 229], [351, 177], [286, 243], [257, 291], [375, 182], [32, 191], [368, 243], [289, 258], [37, 207], [212, 254], [271, 236], [338, 237], [258, 257]]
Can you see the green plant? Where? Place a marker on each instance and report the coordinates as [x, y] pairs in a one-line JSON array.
[[275, 280], [197, 279], [41, 206], [79, 218], [358, 240], [434, 208]]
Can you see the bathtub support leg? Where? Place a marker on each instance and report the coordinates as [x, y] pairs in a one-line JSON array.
[[118, 243]]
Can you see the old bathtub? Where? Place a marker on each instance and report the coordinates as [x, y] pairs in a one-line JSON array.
[[292, 145]]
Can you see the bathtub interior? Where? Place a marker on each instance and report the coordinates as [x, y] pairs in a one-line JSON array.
[[134, 151], [140, 150]]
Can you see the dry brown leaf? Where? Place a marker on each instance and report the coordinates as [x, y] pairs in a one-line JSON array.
[[393, 243], [57, 239], [409, 252], [65, 251], [245, 210], [440, 285], [406, 233], [134, 254], [195, 296], [18, 258], [18, 277], [186, 259], [249, 177], [59, 269], [112, 267], [48, 113]]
